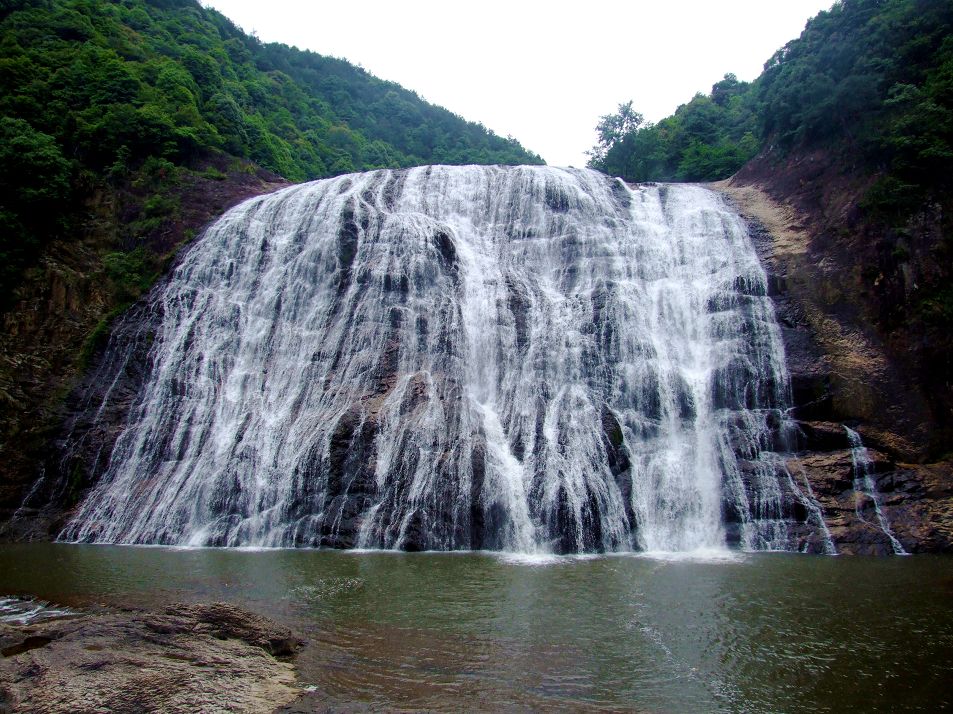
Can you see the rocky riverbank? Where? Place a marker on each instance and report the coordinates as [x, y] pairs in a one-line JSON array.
[[186, 658]]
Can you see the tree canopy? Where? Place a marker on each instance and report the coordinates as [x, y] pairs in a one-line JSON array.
[[707, 138]]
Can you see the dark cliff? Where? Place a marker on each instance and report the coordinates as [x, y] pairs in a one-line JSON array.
[[871, 297], [64, 311]]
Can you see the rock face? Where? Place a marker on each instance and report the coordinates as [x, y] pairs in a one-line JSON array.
[[208, 658], [842, 371], [867, 292], [916, 502], [93, 415], [61, 306]]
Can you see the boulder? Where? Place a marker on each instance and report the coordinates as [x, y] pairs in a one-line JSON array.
[[187, 658]]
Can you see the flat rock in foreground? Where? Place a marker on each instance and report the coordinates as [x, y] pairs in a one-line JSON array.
[[188, 658]]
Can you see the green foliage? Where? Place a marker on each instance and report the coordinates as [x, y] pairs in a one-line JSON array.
[[34, 183], [709, 138], [214, 174], [99, 335], [870, 81], [104, 89], [613, 129], [937, 308], [353, 116], [873, 78], [130, 274]]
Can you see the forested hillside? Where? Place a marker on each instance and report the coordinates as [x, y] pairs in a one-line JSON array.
[[135, 93], [706, 139], [869, 79]]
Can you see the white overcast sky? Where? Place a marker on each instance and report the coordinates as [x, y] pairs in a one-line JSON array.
[[543, 72]]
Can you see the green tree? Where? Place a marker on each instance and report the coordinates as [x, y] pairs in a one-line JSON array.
[[708, 138], [613, 129], [34, 188]]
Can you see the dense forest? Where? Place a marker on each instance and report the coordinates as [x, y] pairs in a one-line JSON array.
[[868, 79], [133, 97]]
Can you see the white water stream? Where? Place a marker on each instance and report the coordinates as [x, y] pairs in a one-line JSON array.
[[864, 486]]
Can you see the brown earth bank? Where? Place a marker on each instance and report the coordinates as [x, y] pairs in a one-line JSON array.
[[847, 364], [64, 307], [186, 658]]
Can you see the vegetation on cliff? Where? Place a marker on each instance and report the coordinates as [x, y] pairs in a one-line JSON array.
[[869, 79], [131, 94], [873, 79]]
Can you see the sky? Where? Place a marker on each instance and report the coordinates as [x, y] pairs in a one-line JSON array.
[[542, 72]]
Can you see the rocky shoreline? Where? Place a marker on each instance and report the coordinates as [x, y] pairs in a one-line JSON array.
[[185, 658]]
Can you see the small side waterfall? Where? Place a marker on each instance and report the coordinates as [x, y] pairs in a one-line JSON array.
[[864, 486], [805, 496], [529, 359]]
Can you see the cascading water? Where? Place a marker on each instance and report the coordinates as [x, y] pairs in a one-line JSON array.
[[528, 359], [865, 488]]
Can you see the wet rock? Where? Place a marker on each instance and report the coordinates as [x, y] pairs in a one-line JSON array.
[[821, 436], [519, 304], [843, 365], [915, 501], [188, 658], [416, 533], [480, 529], [225, 622], [18, 645]]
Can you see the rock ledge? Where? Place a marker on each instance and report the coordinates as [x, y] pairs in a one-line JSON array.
[[187, 658]]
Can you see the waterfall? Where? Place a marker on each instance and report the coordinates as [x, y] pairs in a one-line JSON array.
[[528, 359], [864, 486], [809, 502]]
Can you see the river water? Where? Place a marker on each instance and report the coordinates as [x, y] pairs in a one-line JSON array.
[[475, 631]]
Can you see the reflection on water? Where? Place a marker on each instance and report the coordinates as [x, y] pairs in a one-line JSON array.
[[753, 633]]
